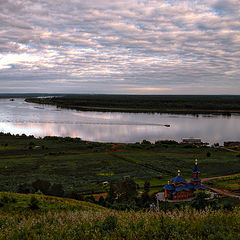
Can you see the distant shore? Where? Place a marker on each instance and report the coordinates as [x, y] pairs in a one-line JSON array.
[[145, 104]]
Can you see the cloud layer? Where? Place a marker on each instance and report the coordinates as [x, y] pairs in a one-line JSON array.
[[125, 46]]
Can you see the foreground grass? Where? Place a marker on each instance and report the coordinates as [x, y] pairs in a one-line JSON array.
[[60, 218]]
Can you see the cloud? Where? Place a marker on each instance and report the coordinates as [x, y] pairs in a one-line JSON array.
[[132, 46]]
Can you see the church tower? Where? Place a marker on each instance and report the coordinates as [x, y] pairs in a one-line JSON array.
[[195, 180]]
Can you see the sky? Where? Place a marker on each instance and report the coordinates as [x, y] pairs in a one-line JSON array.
[[120, 47]]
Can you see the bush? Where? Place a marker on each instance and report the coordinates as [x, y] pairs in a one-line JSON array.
[[146, 186], [56, 190], [8, 199], [146, 142], [200, 200], [76, 196], [41, 185], [101, 201], [208, 154], [90, 199], [34, 204]]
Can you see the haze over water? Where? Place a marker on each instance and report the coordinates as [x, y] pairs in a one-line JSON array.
[[18, 117]]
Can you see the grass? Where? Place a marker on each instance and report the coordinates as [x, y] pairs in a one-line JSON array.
[[82, 166], [60, 218], [231, 183], [17, 202]]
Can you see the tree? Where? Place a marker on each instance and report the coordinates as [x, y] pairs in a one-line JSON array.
[[41, 185], [123, 190], [56, 190], [200, 200], [146, 186], [208, 154]]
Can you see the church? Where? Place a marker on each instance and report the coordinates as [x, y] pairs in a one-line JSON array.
[[180, 189]]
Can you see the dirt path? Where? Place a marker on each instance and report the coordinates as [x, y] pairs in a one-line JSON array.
[[231, 150], [223, 192], [211, 178], [219, 190]]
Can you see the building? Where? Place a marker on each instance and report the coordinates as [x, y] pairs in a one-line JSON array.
[[192, 140], [232, 144], [180, 189]]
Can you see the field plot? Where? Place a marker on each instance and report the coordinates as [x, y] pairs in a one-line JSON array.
[[82, 167], [230, 183]]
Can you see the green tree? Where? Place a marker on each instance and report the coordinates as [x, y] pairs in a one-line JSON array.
[[200, 200], [146, 186], [41, 185], [123, 190]]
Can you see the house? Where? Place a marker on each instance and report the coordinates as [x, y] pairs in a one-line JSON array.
[[192, 140], [232, 144], [180, 189]]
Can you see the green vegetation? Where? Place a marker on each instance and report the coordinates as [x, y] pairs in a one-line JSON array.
[[70, 165], [140, 103], [231, 183], [58, 218]]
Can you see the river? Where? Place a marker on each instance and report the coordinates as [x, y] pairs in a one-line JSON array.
[[18, 117]]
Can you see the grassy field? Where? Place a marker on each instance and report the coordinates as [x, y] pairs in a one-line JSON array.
[[58, 218], [150, 103], [82, 167], [231, 183]]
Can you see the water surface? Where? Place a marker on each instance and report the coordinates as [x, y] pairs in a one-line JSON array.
[[18, 117]]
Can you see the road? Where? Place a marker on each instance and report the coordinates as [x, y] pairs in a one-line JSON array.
[[219, 190]]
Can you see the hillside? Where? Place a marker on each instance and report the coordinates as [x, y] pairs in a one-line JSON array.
[[82, 167], [59, 218]]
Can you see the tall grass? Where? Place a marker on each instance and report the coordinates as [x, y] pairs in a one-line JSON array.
[[179, 224]]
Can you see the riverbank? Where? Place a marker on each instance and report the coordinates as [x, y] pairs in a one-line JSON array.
[[146, 104]]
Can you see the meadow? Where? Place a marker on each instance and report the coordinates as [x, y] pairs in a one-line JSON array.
[[82, 167], [58, 218]]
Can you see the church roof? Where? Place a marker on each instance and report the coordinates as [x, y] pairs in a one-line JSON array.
[[190, 185], [196, 187], [195, 179], [169, 187], [178, 179], [181, 188]]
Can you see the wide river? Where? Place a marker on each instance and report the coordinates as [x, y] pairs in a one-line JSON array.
[[18, 117]]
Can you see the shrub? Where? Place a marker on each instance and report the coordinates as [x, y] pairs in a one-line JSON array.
[[146, 142], [101, 201], [90, 199], [56, 190], [146, 186], [200, 200], [41, 185], [34, 204], [8, 199], [208, 154]]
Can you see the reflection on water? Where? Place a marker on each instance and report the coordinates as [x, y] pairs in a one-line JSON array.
[[19, 117]]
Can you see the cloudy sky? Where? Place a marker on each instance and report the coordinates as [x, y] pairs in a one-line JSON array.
[[124, 46]]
